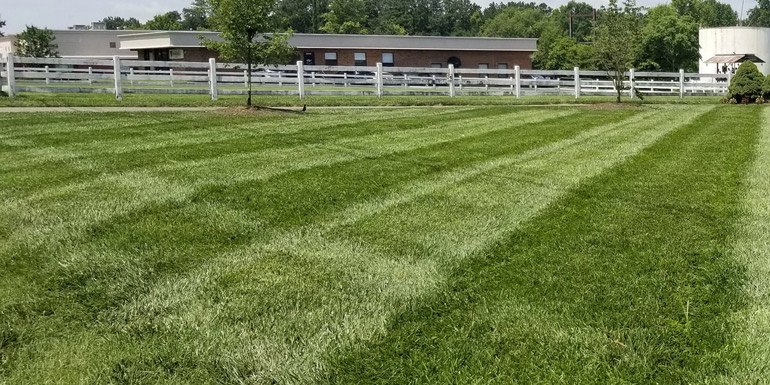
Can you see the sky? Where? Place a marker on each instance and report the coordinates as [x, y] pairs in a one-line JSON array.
[[60, 14]]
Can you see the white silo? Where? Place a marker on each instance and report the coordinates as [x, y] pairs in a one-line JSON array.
[[736, 41]]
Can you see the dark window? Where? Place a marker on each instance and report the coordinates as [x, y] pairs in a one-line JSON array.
[[113, 44], [330, 58], [309, 58], [455, 61], [502, 66], [387, 59], [360, 58], [436, 65]]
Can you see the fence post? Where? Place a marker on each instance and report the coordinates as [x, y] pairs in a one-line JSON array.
[[301, 78], [577, 82], [486, 82], [513, 85], [460, 82], [246, 78], [118, 82], [90, 74], [131, 75], [451, 80], [312, 76], [681, 83], [345, 81], [47, 74], [11, 76], [213, 79], [632, 90], [434, 81], [518, 81], [280, 79], [171, 76], [380, 82]]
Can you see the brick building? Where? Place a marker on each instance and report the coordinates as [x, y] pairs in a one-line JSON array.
[[353, 50]]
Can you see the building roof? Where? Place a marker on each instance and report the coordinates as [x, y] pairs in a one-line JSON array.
[[733, 58], [187, 39]]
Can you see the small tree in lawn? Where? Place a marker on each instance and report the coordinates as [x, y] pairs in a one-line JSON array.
[[245, 27], [617, 40], [36, 42]]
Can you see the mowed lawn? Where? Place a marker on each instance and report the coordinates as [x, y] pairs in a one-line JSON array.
[[465, 245]]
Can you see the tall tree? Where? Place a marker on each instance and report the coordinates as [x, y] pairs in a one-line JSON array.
[[116, 22], [196, 17], [346, 16], [712, 13], [169, 21], [517, 22], [2, 24], [36, 42], [759, 16], [617, 36], [245, 26], [669, 41], [302, 16]]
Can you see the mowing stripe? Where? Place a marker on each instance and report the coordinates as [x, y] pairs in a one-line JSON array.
[[624, 281], [752, 249], [33, 223], [379, 283], [167, 137]]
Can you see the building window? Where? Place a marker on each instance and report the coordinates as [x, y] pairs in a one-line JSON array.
[[484, 66], [113, 44], [502, 66], [387, 59], [360, 58], [435, 65], [330, 58]]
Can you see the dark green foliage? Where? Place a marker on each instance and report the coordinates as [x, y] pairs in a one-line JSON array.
[[766, 88], [169, 21], [669, 41], [746, 84], [759, 16], [116, 22]]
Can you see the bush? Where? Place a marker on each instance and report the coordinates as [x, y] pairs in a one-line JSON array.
[[766, 88], [747, 84]]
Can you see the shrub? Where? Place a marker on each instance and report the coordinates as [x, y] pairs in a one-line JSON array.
[[747, 84], [766, 88]]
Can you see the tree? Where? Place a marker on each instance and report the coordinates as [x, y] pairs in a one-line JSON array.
[[346, 16], [759, 16], [169, 21], [302, 16], [196, 18], [245, 27], [566, 53], [516, 22], [36, 42], [712, 13], [669, 41], [747, 83], [617, 40], [116, 22], [2, 24]]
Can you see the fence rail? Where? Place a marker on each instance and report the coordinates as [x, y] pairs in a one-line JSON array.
[[118, 76]]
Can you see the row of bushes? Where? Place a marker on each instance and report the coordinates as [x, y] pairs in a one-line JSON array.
[[749, 85]]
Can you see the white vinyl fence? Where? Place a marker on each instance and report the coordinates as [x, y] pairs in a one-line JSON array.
[[119, 77]]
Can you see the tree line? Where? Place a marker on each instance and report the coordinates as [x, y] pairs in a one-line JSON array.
[[667, 34]]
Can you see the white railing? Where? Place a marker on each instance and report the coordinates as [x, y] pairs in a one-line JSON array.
[[211, 78]]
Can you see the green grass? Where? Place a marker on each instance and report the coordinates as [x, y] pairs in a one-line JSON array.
[[458, 245], [135, 100]]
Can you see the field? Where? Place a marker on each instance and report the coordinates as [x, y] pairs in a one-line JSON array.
[[571, 244]]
